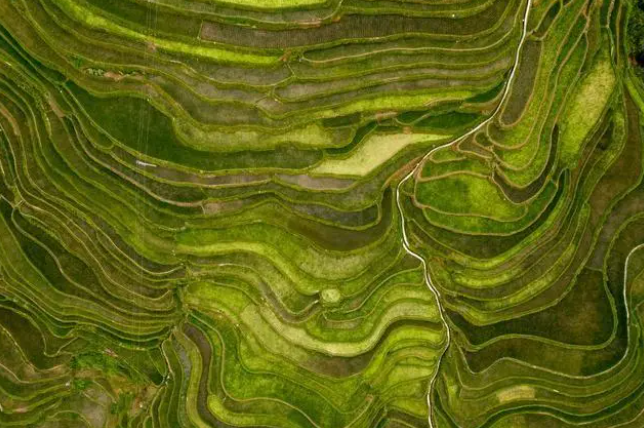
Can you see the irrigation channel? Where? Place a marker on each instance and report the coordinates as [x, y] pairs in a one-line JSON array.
[[405, 239]]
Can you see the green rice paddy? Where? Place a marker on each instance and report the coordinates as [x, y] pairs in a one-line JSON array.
[[321, 213]]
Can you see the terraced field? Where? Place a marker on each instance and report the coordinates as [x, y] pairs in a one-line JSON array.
[[321, 213]]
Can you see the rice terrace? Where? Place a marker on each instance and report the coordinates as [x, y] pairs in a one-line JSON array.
[[322, 213]]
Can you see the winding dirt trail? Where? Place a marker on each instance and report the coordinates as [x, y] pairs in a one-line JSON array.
[[405, 240]]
